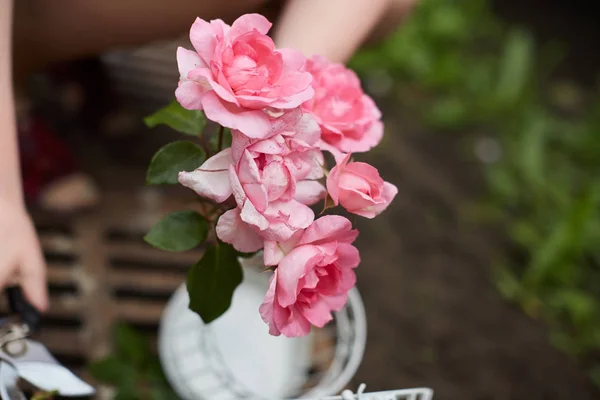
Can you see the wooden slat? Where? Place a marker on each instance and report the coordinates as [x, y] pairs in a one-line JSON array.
[[57, 242], [153, 280], [63, 341], [143, 252], [60, 274], [67, 306], [139, 311]]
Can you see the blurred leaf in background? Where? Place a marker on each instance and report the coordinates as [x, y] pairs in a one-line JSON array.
[[134, 369]]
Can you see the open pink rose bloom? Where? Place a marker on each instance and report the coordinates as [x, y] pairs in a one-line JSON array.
[[349, 119], [313, 277], [283, 110], [235, 73]]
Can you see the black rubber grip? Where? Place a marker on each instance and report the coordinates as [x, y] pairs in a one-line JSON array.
[[19, 305]]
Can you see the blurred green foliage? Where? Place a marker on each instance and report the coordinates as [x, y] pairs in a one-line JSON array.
[[458, 67], [133, 370]]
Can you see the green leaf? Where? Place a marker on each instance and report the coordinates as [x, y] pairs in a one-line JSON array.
[[128, 392], [173, 158], [507, 282], [112, 370], [178, 231], [163, 393], [190, 122], [447, 113], [515, 68], [212, 281], [532, 149], [580, 306], [565, 241], [45, 395], [131, 345]]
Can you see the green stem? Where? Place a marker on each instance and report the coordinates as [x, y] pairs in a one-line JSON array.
[[221, 130]]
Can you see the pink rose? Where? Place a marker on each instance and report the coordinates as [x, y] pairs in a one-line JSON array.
[[292, 146], [349, 119], [235, 73], [273, 180], [293, 136], [359, 189], [313, 278]]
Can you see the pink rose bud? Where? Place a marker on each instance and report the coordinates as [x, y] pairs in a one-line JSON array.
[[358, 187], [235, 73]]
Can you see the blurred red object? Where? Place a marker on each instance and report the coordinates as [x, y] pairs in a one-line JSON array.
[[44, 157]]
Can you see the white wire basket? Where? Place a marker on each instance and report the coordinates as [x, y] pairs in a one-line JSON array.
[[235, 358], [403, 394]]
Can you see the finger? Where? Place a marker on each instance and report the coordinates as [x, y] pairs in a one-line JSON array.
[[33, 276], [14, 279], [9, 275]]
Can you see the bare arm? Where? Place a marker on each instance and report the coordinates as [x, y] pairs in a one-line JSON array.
[[21, 260], [10, 182], [331, 28]]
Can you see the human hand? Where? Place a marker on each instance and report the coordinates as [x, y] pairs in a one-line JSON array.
[[21, 259]]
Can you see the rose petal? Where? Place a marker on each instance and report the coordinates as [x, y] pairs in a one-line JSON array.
[[236, 187], [329, 228], [231, 229], [291, 268], [291, 322], [336, 303], [188, 60], [250, 215], [211, 180], [204, 39], [333, 180], [318, 313], [266, 308], [296, 89], [387, 195], [189, 94], [253, 123], [248, 23], [348, 256], [286, 218], [239, 143], [293, 59], [272, 253], [309, 192], [371, 138], [357, 202], [205, 75]]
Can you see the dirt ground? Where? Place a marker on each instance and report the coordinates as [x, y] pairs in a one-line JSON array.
[[435, 318]]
